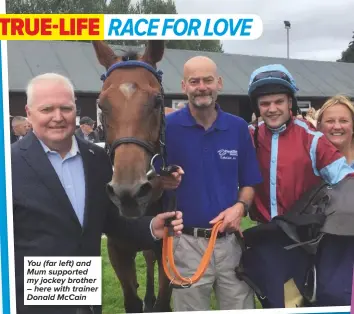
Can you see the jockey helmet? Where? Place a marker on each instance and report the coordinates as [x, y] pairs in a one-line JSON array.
[[272, 79]]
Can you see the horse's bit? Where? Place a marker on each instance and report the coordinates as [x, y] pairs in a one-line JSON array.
[[176, 280]]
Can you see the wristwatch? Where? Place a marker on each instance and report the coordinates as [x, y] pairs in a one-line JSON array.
[[245, 206]]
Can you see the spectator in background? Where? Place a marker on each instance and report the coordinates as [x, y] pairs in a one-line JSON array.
[[20, 127], [100, 133], [99, 129], [311, 117], [86, 130]]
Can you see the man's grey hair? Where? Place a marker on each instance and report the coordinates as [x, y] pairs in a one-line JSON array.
[[18, 120], [48, 77]]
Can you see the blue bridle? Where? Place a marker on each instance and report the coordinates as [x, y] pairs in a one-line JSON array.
[[150, 147], [133, 64]]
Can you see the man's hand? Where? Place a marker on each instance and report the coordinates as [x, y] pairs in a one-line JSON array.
[[231, 217], [158, 223], [172, 181], [161, 183]]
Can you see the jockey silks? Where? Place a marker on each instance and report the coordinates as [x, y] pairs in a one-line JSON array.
[[293, 160]]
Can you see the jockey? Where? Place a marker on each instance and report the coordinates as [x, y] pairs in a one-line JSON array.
[[293, 159]]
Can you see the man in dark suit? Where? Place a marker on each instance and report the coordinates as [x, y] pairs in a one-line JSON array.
[[85, 131], [20, 128], [60, 206]]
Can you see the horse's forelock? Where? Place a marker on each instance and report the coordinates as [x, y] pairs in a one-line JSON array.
[[131, 55]]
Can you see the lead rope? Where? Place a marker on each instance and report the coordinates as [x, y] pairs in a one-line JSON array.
[[176, 279], [168, 262]]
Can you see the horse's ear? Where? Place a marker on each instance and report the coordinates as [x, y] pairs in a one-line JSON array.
[[104, 53], [154, 51]]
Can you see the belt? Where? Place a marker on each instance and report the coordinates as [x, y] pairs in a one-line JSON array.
[[201, 232]]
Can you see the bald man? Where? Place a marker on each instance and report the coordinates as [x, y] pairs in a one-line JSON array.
[[216, 152]]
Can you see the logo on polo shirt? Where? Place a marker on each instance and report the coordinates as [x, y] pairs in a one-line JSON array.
[[228, 154]]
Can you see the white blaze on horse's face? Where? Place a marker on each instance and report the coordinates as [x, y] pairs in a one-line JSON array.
[[128, 89]]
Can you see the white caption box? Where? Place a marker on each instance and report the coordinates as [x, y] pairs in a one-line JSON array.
[[63, 280]]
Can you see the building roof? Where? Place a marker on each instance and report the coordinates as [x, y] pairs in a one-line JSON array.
[[77, 60]]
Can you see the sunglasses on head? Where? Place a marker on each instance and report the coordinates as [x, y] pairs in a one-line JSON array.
[[274, 74]]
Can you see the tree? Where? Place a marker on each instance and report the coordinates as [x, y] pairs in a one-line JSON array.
[[121, 7], [55, 6], [155, 7], [26, 7], [210, 45], [348, 54]]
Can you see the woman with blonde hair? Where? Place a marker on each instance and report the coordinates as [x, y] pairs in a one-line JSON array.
[[335, 253], [335, 121]]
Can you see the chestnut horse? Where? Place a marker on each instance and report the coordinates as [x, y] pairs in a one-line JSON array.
[[132, 111]]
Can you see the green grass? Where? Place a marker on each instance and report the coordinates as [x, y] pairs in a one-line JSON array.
[[112, 295]]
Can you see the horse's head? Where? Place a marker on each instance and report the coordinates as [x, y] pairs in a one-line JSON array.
[[132, 108]]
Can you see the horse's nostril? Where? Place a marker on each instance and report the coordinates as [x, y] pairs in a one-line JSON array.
[[144, 190], [128, 194]]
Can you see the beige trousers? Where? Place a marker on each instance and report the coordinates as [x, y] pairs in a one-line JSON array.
[[231, 294]]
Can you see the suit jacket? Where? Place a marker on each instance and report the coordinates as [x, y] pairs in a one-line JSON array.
[[45, 223], [93, 136], [14, 138]]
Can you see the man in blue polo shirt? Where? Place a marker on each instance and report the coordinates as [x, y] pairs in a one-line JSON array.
[[215, 151]]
